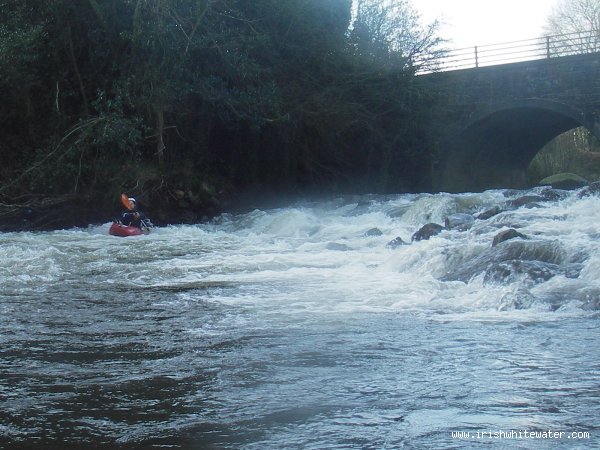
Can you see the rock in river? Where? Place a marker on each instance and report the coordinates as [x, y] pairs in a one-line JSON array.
[[426, 231]]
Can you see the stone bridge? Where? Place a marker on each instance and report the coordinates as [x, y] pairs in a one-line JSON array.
[[493, 120]]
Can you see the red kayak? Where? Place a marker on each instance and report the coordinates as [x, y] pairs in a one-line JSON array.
[[116, 229]]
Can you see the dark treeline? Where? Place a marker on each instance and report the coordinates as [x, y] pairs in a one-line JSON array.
[[184, 100]]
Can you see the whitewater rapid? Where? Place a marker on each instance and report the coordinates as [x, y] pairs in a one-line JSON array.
[[303, 327]]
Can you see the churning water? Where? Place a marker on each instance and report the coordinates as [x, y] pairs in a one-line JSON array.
[[300, 327]]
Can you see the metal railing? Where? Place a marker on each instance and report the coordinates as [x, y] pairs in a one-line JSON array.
[[511, 52]]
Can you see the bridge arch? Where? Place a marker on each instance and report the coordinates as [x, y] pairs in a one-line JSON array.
[[492, 120], [497, 143]]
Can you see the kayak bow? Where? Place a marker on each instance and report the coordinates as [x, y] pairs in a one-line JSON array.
[[117, 229]]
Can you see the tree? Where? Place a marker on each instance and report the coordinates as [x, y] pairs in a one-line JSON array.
[[574, 151], [578, 24], [388, 44], [163, 95], [392, 31]]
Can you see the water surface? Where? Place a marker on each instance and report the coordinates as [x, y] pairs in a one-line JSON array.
[[299, 327]]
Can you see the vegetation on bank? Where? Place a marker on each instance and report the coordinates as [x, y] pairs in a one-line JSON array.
[[576, 151], [184, 102]]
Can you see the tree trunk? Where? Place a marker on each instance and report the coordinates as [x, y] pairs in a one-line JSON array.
[[160, 128], [78, 75]]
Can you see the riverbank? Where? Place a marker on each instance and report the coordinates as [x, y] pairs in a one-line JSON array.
[[37, 213], [47, 213], [62, 212]]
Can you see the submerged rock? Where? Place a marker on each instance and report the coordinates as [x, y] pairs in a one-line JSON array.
[[503, 261], [506, 235], [532, 205], [521, 299], [524, 201], [592, 189], [551, 194], [338, 247], [591, 302], [530, 250], [373, 232], [509, 271], [489, 213], [459, 221], [426, 231], [587, 297], [395, 243], [361, 208]]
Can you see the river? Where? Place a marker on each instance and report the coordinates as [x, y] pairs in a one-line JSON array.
[[301, 328]]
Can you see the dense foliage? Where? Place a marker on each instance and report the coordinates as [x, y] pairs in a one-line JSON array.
[[168, 97]]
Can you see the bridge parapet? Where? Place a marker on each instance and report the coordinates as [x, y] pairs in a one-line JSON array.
[[544, 47]]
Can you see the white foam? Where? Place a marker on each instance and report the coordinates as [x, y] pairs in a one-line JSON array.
[[319, 258]]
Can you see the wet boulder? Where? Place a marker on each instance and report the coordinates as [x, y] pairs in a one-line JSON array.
[[459, 221], [510, 271], [395, 243], [551, 194], [521, 299], [524, 201], [530, 250], [564, 181], [588, 297], [505, 235], [373, 232], [592, 189], [489, 213], [543, 258], [511, 192], [532, 205], [427, 231]]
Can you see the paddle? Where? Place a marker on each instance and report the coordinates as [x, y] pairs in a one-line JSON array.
[[146, 225], [126, 203]]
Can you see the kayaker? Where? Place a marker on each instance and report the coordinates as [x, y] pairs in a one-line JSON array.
[[133, 217]]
